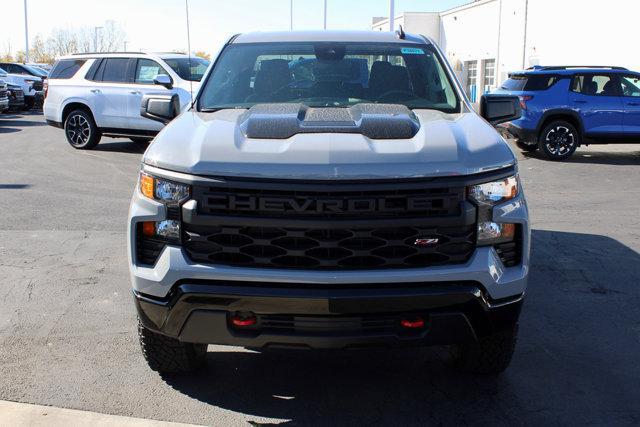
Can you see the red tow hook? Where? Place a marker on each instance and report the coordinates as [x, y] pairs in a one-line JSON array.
[[244, 321], [414, 323]]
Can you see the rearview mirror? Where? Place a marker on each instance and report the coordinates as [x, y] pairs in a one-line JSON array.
[[163, 80], [160, 107], [498, 109]]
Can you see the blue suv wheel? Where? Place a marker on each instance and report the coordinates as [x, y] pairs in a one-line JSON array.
[[559, 139]]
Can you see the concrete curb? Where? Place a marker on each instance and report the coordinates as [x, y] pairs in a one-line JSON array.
[[24, 414]]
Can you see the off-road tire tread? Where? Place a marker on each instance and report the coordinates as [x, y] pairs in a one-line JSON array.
[[166, 354], [490, 355]]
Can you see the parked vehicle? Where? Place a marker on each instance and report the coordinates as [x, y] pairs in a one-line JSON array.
[[320, 213], [29, 79], [16, 97], [565, 107], [45, 67], [4, 98], [95, 95]]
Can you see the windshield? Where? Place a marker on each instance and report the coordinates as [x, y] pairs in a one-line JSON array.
[[3, 73], [329, 75], [181, 67], [36, 71]]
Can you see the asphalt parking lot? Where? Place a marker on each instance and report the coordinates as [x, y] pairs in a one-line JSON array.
[[68, 330]]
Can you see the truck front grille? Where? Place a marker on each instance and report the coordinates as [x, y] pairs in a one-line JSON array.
[[3, 92], [348, 248], [331, 226]]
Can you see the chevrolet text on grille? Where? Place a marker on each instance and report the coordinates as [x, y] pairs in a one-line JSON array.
[[320, 205]]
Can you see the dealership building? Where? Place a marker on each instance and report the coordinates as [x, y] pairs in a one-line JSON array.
[[485, 40]]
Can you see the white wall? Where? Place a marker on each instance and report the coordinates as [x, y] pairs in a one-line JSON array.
[[470, 32], [583, 32]]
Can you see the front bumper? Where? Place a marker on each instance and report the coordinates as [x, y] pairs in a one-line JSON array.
[[484, 267], [346, 317]]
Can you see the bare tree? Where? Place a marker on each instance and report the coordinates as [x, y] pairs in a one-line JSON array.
[[39, 51], [65, 41]]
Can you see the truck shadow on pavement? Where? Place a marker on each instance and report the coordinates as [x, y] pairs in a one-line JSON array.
[[576, 360]]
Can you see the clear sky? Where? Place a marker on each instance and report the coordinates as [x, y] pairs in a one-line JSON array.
[[159, 25]]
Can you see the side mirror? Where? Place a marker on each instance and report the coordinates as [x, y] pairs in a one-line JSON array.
[[498, 109], [163, 80], [160, 107]]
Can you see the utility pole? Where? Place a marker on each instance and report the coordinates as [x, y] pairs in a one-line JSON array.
[[26, 34], [95, 38], [291, 16], [524, 41], [392, 17], [125, 45], [325, 15]]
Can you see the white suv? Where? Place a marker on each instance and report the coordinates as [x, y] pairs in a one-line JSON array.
[[95, 95]]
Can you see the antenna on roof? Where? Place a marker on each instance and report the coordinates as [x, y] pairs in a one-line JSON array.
[[186, 4], [400, 33]]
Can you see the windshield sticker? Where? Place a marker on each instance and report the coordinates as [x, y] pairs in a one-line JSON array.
[[412, 51]]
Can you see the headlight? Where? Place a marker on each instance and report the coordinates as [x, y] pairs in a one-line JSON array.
[[163, 190], [495, 192], [487, 195]]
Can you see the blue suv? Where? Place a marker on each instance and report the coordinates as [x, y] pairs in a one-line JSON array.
[[565, 107]]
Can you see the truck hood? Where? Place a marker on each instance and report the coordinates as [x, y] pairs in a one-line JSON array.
[[213, 144]]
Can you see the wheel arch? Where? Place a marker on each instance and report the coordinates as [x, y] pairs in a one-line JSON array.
[[567, 115], [75, 105]]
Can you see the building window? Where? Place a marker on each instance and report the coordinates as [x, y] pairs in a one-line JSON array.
[[472, 73], [489, 73]]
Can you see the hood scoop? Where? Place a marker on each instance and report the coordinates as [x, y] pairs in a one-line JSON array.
[[375, 121]]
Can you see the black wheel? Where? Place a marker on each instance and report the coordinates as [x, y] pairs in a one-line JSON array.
[[527, 146], [490, 355], [166, 354], [559, 140], [81, 131], [140, 139]]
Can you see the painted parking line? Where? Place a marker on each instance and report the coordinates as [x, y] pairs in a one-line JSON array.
[[24, 414]]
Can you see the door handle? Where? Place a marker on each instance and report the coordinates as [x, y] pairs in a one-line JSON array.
[[135, 92], [95, 90], [579, 101], [633, 103]]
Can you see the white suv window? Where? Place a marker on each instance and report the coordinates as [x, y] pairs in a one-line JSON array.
[[147, 70], [113, 70]]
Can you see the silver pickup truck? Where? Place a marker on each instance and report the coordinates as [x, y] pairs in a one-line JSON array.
[[329, 190]]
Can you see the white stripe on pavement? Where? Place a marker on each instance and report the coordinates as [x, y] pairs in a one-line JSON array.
[[24, 414]]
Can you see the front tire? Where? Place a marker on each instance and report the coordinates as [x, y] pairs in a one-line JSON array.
[[81, 131], [169, 355], [489, 355], [559, 140]]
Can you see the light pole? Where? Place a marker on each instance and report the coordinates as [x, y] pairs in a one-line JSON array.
[[392, 17], [325, 15], [26, 34], [291, 15], [95, 38]]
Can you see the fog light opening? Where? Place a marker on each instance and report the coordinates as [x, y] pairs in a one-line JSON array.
[[413, 323], [244, 320]]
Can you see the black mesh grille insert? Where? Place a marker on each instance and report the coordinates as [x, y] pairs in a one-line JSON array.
[[347, 248]]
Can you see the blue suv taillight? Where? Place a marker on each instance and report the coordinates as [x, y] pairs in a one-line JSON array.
[[523, 101]]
